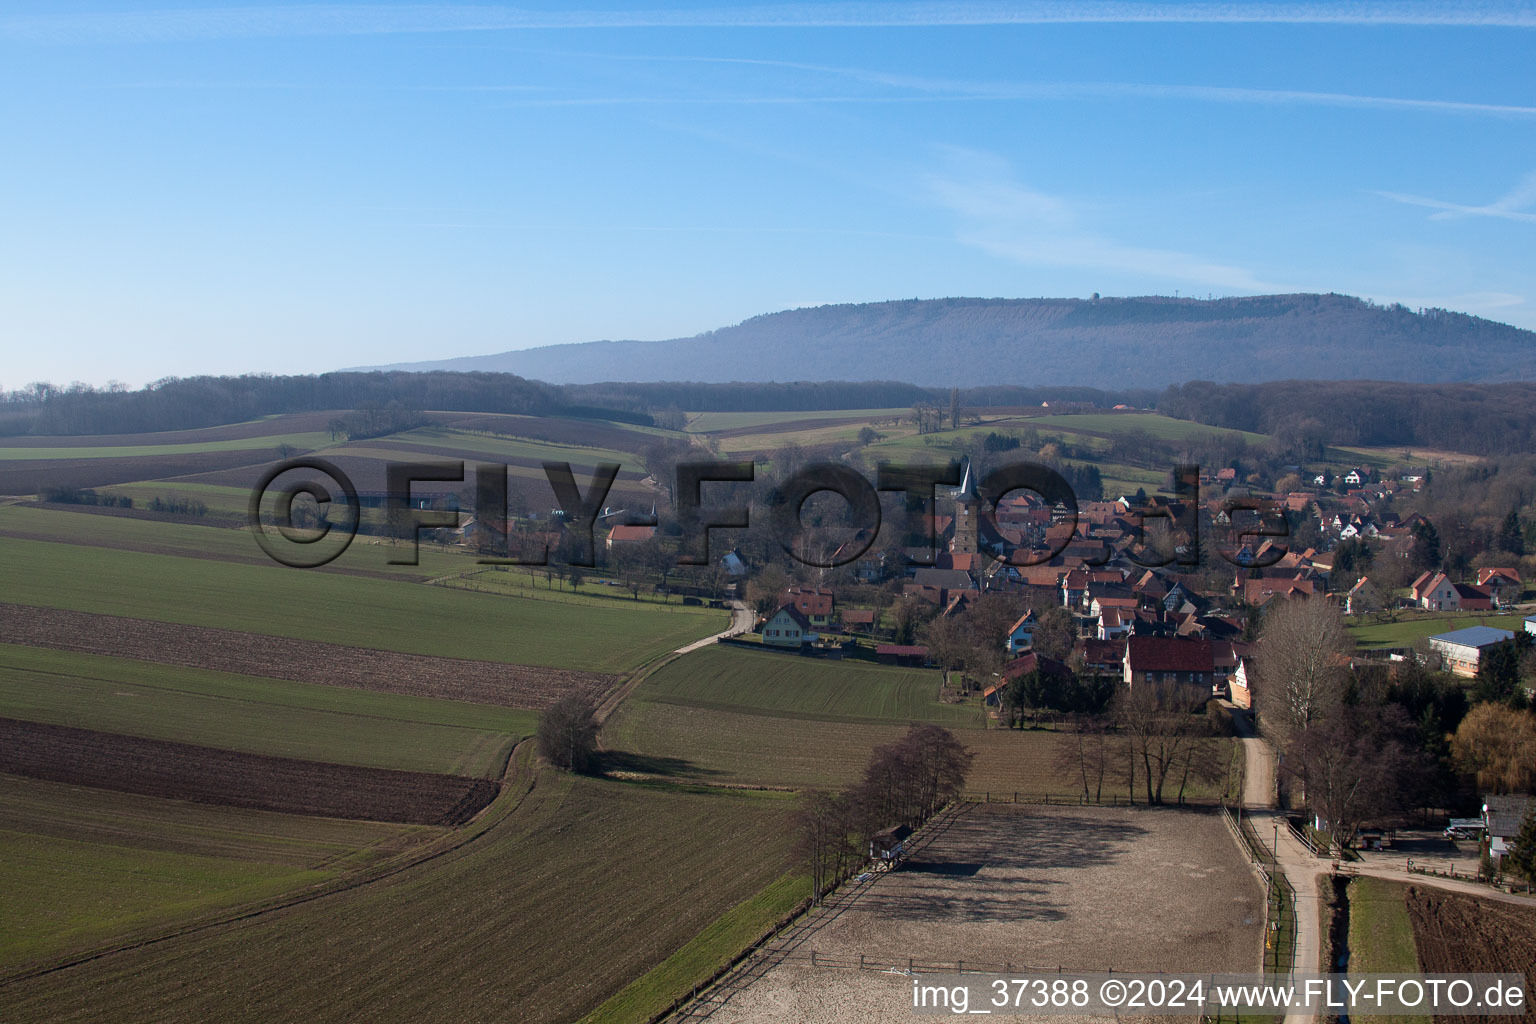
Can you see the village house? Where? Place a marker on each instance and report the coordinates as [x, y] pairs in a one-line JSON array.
[[787, 627], [1115, 623], [1461, 648], [1435, 592], [1360, 597], [1502, 817], [815, 603], [1504, 586], [1021, 635], [1159, 659], [1240, 688], [1102, 657], [623, 534]]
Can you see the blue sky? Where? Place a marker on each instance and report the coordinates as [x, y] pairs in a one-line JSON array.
[[294, 189]]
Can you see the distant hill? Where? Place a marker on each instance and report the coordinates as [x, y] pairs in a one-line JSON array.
[[1105, 343]]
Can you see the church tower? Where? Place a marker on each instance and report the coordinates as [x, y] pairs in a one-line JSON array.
[[967, 514]]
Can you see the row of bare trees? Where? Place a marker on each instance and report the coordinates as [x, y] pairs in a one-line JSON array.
[[905, 783], [1153, 738]]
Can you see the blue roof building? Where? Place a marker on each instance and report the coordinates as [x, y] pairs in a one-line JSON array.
[[1461, 648]]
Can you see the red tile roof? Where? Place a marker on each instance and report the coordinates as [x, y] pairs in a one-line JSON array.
[[1169, 654]]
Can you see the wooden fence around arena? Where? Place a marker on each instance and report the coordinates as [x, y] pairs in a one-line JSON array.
[[1058, 800]]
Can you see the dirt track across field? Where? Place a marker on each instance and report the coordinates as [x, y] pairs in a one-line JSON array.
[[1043, 888], [304, 661], [181, 771]]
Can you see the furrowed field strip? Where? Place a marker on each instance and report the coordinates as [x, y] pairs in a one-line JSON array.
[[351, 610], [260, 716], [529, 922], [62, 811], [210, 775], [461, 692]]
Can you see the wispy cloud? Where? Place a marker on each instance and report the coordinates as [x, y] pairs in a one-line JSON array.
[[359, 19], [1515, 205], [1008, 219], [1047, 91], [962, 89]]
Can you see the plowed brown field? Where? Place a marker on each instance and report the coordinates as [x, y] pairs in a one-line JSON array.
[[1457, 933], [181, 771]]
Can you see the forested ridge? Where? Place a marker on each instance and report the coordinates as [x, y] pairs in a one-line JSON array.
[[1110, 343]]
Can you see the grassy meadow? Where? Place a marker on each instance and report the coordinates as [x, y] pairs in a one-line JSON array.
[[257, 715], [343, 609]]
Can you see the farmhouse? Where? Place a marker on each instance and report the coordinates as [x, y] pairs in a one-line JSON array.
[[1461, 648], [1530, 623], [1168, 659], [1502, 816], [788, 628]]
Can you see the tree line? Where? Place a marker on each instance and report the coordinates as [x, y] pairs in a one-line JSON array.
[[905, 783], [1481, 419]]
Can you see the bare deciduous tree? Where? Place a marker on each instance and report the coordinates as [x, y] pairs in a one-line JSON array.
[[1160, 727], [825, 839], [1055, 633], [1354, 765], [1300, 663], [1087, 756], [568, 733]]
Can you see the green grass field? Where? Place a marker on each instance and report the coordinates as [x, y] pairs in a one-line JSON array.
[[1164, 428], [708, 422], [214, 541], [227, 502], [731, 678], [257, 715], [578, 887], [758, 747], [492, 446], [1381, 935], [333, 608], [1414, 626], [80, 866], [597, 590]]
